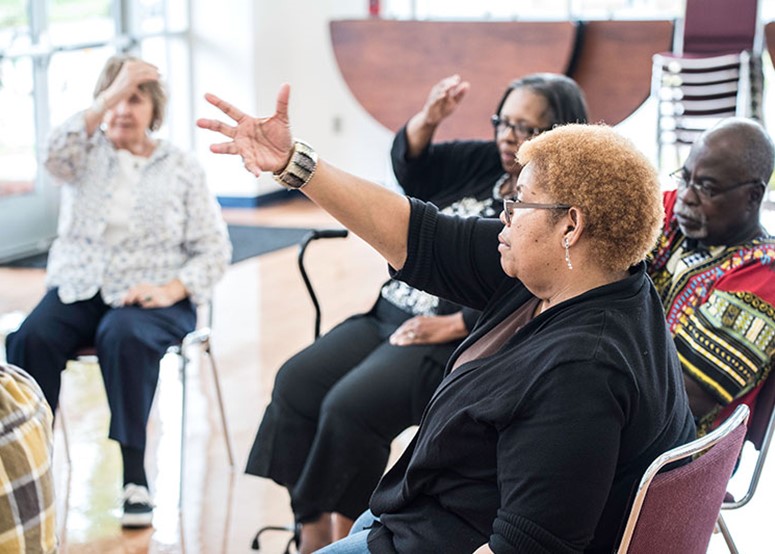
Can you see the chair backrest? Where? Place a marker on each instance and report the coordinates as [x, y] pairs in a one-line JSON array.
[[763, 418], [676, 511], [719, 27], [761, 402], [695, 93], [760, 432]]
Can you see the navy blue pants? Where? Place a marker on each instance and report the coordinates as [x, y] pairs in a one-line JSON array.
[[130, 342]]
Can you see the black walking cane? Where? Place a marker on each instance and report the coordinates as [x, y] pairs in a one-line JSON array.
[[314, 234]]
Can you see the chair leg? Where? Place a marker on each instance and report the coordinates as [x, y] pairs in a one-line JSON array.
[[226, 436], [294, 540], [182, 366], [65, 439], [227, 517], [727, 535], [60, 417]]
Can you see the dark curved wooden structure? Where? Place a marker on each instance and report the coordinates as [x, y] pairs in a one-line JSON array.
[[613, 65], [769, 38], [390, 66]]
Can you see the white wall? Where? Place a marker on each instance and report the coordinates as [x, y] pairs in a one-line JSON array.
[[243, 51]]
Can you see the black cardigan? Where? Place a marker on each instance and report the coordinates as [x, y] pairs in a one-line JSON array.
[[538, 447]]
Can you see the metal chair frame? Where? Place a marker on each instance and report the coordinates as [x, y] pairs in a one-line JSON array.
[[760, 433], [199, 337], [693, 94], [713, 71], [739, 417]]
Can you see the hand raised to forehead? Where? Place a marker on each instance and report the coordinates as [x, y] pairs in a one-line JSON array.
[[132, 74], [264, 143]]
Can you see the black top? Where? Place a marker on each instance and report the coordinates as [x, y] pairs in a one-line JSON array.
[[538, 447], [459, 177], [445, 172]]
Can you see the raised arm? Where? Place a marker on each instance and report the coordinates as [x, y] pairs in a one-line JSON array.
[[377, 215], [70, 144], [132, 74], [443, 100]]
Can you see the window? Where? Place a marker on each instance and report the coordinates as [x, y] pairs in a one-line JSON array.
[[532, 9], [74, 22], [17, 131], [51, 53]]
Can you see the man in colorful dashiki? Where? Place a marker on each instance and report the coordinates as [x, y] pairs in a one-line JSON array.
[[714, 267]]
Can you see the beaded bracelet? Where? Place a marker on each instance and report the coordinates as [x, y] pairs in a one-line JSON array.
[[300, 168]]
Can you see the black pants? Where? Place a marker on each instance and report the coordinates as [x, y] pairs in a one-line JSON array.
[[130, 343], [337, 405]]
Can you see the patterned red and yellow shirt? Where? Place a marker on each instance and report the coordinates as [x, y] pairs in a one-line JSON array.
[[720, 308]]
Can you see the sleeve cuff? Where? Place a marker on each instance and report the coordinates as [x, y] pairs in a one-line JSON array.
[[516, 534], [470, 317], [419, 256]]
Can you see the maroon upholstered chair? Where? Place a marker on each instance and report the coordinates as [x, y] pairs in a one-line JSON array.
[[712, 27], [760, 432], [713, 72], [677, 510]]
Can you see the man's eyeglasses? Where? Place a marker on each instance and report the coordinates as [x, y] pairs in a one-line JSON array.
[[519, 129], [707, 190], [513, 203]]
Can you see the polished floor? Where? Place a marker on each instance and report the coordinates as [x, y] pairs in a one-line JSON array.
[[262, 315]]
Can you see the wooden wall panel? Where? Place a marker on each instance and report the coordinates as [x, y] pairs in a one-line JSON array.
[[390, 66], [613, 66]]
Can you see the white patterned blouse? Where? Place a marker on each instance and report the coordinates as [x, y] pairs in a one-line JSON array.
[[175, 226]]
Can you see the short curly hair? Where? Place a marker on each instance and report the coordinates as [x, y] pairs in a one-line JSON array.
[[153, 88], [603, 174]]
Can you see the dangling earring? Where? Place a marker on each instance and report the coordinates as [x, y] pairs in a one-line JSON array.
[[567, 253]]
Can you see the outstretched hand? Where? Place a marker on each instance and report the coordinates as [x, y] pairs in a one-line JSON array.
[[444, 98], [264, 143]]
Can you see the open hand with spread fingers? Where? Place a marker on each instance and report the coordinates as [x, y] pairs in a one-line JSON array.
[[264, 143], [444, 98]]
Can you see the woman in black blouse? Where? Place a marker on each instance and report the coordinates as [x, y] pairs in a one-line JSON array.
[[338, 404], [569, 385]]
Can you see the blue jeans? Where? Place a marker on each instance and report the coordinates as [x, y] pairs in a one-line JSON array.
[[355, 542]]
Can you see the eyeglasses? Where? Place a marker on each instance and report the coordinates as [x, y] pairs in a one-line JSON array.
[[706, 190], [519, 129], [513, 203]]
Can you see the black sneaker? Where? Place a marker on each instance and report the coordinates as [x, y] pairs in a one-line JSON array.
[[138, 507]]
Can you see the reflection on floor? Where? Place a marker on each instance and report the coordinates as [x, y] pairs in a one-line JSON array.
[[89, 487], [262, 316]]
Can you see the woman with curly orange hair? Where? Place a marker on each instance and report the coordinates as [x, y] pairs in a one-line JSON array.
[[568, 387]]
